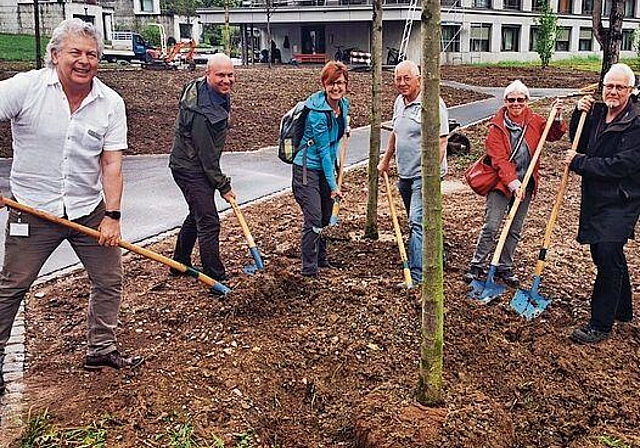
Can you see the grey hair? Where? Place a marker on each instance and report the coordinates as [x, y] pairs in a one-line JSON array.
[[516, 86], [72, 27], [623, 69], [415, 70], [218, 58]]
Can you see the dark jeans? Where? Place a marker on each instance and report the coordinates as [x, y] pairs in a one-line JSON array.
[[201, 224], [314, 199], [611, 297]]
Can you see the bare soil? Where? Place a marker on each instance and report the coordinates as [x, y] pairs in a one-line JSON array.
[[333, 361]]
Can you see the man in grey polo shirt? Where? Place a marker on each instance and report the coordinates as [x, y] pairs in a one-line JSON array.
[[406, 143], [69, 131]]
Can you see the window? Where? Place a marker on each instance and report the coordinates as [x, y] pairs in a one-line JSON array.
[[450, 3], [510, 38], [585, 42], [627, 40], [512, 4], [629, 6], [587, 7], [536, 5], [563, 39], [146, 5], [533, 38], [186, 30], [451, 38], [480, 33], [482, 4], [565, 6]]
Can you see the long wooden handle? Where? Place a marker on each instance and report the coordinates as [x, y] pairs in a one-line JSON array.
[[343, 154], [396, 227], [559, 197], [243, 223], [125, 245], [525, 183]]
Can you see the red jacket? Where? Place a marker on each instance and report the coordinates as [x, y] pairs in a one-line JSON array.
[[498, 144]]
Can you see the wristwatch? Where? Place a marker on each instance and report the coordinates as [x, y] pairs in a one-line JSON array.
[[113, 214]]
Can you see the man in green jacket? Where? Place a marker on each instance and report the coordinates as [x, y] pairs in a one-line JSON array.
[[200, 134]]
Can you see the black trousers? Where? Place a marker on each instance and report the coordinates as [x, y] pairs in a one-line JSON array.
[[314, 199], [611, 298], [201, 224]]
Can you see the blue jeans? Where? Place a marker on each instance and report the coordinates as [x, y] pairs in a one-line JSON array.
[[411, 193]]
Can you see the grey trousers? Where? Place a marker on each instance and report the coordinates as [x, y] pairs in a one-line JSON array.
[[24, 257], [496, 207]]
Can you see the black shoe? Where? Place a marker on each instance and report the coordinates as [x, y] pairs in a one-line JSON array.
[[310, 274], [474, 273], [509, 278], [588, 335], [2, 386], [325, 264], [114, 360]]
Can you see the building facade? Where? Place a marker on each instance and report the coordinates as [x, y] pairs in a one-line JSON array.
[[473, 31]]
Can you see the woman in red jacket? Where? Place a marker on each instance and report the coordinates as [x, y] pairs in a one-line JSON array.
[[514, 134]]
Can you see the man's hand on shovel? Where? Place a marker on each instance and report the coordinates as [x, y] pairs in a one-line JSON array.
[[228, 196]]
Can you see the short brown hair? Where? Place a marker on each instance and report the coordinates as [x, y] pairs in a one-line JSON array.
[[332, 71]]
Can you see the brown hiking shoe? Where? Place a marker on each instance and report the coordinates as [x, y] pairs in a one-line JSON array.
[[114, 360]]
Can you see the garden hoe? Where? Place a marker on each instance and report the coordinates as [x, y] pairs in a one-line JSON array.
[[530, 303], [215, 287], [396, 227], [253, 249], [343, 156], [488, 290]]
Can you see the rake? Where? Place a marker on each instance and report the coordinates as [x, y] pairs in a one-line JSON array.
[[215, 287], [530, 303], [488, 290], [253, 249]]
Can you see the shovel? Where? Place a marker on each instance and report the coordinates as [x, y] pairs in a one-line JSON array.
[[530, 303], [488, 290], [253, 249], [215, 287], [408, 281], [343, 155]]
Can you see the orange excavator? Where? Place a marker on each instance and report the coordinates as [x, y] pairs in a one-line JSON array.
[[173, 58]]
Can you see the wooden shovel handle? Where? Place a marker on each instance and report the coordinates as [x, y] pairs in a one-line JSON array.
[[396, 227], [96, 234], [243, 223]]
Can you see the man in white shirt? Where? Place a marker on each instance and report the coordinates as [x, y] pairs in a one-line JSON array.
[[406, 143], [69, 131]]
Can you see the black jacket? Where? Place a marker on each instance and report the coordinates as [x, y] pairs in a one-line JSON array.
[[609, 164], [199, 135]]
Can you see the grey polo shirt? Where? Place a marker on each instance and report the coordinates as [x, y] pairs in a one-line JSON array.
[[406, 125]]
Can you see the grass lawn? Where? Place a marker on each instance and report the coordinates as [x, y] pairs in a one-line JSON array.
[[20, 47]]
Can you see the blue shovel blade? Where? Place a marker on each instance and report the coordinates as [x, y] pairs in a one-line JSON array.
[[486, 291], [529, 304]]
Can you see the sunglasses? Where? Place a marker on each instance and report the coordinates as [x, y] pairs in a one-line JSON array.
[[519, 100]]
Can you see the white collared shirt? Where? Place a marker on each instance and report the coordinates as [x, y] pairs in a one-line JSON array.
[[56, 154]]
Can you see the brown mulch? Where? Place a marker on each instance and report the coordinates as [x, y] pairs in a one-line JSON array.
[[323, 362]]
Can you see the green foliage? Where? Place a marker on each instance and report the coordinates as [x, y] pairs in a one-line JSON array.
[[152, 35], [181, 7], [547, 32], [41, 433], [612, 442], [20, 47]]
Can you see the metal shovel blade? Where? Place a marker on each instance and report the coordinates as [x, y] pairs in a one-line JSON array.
[[529, 304], [219, 289], [485, 292], [259, 265]]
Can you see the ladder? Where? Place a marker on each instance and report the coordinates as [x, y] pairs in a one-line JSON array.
[[406, 34]]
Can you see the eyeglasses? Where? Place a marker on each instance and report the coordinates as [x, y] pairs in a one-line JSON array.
[[337, 84], [406, 79], [518, 100], [616, 87]]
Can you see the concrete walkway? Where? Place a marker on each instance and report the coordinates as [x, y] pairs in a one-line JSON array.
[[154, 205]]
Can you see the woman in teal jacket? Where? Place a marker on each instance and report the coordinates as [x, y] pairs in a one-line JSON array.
[[314, 181]]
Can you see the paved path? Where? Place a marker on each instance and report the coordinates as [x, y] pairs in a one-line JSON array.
[[153, 205]]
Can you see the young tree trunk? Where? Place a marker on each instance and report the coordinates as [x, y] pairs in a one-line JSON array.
[[36, 21], [269, 12], [430, 381], [227, 30], [371, 225], [610, 39]]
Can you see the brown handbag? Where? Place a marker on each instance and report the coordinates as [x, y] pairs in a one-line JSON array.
[[482, 176]]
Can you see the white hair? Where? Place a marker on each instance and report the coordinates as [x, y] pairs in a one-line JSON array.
[[622, 69], [218, 59], [71, 27], [516, 86], [413, 68]]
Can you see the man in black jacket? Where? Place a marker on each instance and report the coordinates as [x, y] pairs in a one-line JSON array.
[[609, 163], [200, 134]]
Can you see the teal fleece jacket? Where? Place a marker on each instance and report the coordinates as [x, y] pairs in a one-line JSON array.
[[323, 153]]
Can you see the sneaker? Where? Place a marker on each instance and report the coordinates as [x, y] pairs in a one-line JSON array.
[[588, 335], [2, 386], [114, 360], [509, 278], [325, 264], [474, 273]]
